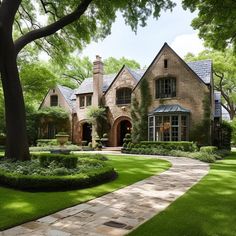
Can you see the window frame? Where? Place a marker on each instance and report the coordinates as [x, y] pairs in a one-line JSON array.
[[125, 98], [53, 103], [80, 100], [162, 85], [90, 99]]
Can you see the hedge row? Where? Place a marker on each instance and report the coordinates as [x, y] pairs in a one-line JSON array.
[[58, 183], [183, 146]]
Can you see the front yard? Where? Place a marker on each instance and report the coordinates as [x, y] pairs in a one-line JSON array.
[[18, 206], [208, 209]]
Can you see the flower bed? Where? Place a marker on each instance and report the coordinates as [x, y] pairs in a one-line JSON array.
[[49, 172]]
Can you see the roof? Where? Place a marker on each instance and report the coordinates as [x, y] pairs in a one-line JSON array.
[[67, 94], [175, 108], [203, 69], [87, 85]]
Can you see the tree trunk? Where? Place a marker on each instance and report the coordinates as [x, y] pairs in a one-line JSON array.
[[16, 144]]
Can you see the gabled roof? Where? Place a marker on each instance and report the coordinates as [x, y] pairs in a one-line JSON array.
[[67, 93], [87, 85], [174, 108], [201, 69]]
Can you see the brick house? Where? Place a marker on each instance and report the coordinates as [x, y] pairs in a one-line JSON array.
[[181, 94]]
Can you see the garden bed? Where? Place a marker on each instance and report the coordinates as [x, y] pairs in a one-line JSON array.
[[51, 172]]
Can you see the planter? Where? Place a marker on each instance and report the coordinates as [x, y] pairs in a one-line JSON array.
[[62, 139]]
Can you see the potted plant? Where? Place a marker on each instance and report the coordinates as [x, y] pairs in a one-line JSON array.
[[62, 138], [104, 139]]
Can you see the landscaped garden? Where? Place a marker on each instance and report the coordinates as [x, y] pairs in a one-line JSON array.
[[31, 205], [207, 209]]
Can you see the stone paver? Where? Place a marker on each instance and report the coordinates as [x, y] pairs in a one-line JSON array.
[[119, 212]]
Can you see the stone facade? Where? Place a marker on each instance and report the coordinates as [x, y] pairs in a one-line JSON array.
[[193, 84]]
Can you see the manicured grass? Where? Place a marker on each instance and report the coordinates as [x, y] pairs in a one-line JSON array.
[[17, 207], [208, 209]]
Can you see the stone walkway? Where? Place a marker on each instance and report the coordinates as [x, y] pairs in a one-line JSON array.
[[119, 212]]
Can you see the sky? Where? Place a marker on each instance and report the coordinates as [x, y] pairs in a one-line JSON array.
[[172, 27]]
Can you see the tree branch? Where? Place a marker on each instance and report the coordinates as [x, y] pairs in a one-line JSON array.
[[52, 28]]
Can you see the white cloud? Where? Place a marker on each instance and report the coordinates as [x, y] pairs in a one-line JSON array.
[[185, 43]]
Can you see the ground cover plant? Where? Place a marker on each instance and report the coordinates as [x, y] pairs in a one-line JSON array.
[[207, 209], [50, 172], [29, 205]]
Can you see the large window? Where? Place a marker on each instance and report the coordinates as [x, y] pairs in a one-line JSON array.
[[81, 101], [123, 96], [88, 100], [54, 101], [168, 127], [166, 87]]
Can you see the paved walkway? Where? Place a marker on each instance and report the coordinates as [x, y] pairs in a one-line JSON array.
[[119, 212]]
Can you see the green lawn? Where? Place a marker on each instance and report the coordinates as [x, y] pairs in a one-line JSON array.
[[208, 209], [17, 207]]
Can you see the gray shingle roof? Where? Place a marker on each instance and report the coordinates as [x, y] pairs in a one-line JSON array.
[[169, 109], [203, 69], [67, 94]]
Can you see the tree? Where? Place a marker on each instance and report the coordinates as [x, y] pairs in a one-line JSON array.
[[224, 69], [216, 21], [69, 24], [113, 65]]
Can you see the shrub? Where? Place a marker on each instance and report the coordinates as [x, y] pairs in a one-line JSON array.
[[51, 148], [46, 142], [203, 156], [208, 149], [183, 146], [68, 161]]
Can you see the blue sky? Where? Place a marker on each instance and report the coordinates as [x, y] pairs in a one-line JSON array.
[[172, 27]]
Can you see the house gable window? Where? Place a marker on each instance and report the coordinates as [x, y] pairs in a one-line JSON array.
[[123, 96], [166, 87], [81, 101], [54, 101], [88, 100]]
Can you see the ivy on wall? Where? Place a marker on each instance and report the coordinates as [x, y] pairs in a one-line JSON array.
[[201, 132], [139, 113]]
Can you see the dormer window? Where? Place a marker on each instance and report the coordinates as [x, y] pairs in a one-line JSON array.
[[54, 101], [123, 96], [165, 63]]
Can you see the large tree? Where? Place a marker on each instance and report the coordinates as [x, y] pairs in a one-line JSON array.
[[216, 21], [75, 22], [224, 69]]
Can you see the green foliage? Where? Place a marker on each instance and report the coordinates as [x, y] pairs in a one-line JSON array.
[[208, 149], [233, 125], [2, 112], [46, 142], [226, 135], [200, 133], [224, 75], [97, 116], [68, 161], [215, 21], [113, 65], [139, 113]]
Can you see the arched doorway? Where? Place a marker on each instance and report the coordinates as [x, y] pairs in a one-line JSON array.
[[87, 132], [123, 128]]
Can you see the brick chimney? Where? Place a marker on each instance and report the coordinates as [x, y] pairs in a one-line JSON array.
[[97, 81]]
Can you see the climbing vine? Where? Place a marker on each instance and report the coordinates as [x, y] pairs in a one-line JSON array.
[[139, 113]]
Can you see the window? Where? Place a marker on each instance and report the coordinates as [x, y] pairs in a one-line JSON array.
[[123, 96], [81, 101], [165, 63], [88, 100], [54, 101], [165, 87], [168, 128]]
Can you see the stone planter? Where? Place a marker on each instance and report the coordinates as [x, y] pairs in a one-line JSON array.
[[62, 139]]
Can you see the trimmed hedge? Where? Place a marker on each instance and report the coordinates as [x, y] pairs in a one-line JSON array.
[[183, 146], [208, 149], [100, 173], [58, 183]]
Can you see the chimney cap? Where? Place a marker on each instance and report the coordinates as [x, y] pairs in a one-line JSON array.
[[98, 58]]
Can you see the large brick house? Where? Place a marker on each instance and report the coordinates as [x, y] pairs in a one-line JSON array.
[[181, 93]]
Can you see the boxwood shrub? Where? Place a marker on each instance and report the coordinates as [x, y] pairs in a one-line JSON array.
[[209, 149]]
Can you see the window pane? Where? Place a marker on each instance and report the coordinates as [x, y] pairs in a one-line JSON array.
[[183, 133], [89, 100], [54, 100], [174, 133], [174, 120], [151, 121], [158, 120], [165, 87], [81, 101], [151, 134], [183, 120], [159, 131], [123, 96]]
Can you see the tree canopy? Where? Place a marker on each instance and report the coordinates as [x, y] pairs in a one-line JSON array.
[[224, 67], [216, 21]]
